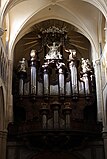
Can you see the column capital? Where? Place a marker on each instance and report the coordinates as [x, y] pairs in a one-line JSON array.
[[97, 62], [104, 135], [105, 29], [3, 133]]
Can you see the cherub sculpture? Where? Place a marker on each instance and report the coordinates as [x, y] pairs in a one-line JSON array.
[[22, 65], [53, 52], [86, 65], [72, 54]]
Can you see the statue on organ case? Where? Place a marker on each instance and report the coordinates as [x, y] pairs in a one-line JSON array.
[[72, 54], [86, 66], [22, 65], [33, 55], [53, 52]]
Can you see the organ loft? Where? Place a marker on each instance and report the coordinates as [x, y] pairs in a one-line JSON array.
[[54, 95]]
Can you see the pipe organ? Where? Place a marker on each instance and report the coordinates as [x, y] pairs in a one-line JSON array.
[[56, 93], [55, 78]]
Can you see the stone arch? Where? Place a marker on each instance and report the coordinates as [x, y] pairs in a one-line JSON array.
[[8, 6], [81, 27], [98, 5], [80, 30], [95, 3]]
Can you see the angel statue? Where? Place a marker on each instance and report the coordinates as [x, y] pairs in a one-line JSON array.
[[72, 54], [33, 55], [22, 65], [86, 65], [53, 52]]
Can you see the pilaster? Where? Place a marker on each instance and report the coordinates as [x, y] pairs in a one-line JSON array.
[[9, 92], [105, 142], [97, 67]]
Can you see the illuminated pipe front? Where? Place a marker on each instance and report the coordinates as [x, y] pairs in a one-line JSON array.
[[33, 70], [61, 82], [86, 81], [74, 81], [22, 76], [45, 80], [61, 78]]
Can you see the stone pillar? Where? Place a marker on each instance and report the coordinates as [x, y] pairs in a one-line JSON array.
[[9, 92], [3, 140], [3, 133], [105, 29], [98, 90], [105, 143], [104, 133], [101, 103]]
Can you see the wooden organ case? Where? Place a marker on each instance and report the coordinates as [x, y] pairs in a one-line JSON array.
[[54, 98]]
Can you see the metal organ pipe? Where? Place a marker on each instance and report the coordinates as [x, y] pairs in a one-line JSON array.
[[86, 81], [56, 108], [33, 82], [61, 80], [44, 112], [45, 80], [74, 80], [21, 86], [22, 75], [67, 111]]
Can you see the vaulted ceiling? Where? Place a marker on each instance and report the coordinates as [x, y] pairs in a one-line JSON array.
[[84, 15]]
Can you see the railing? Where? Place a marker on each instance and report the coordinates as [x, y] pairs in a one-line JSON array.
[[76, 126], [75, 137], [3, 63]]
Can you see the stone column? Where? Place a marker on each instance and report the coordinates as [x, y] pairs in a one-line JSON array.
[[101, 103], [3, 140], [105, 143], [9, 92], [104, 133], [3, 133], [98, 90], [105, 29]]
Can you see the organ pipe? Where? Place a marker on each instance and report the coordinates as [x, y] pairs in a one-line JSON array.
[[22, 75], [33, 73], [42, 77]]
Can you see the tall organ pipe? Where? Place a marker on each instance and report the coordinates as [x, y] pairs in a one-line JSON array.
[[33, 73], [74, 79], [61, 78]]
